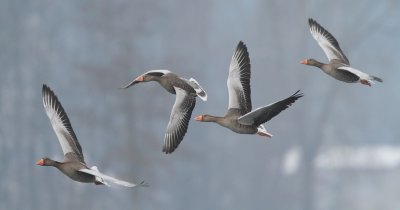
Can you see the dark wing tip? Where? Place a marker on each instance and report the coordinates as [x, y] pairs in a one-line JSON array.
[[48, 94], [297, 95], [241, 53], [46, 89], [241, 43], [169, 149], [241, 46], [293, 98], [311, 21], [314, 23], [51, 99], [171, 142]]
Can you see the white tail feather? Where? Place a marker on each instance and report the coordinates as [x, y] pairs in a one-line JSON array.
[[263, 132]]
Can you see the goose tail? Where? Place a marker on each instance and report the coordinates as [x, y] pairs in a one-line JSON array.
[[199, 90], [376, 78]]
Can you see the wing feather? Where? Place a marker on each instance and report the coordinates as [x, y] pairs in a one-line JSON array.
[[266, 113], [60, 123], [179, 120], [239, 80], [327, 42]]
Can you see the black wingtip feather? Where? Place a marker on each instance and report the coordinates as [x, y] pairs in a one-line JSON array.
[[297, 94], [241, 46], [311, 21], [314, 23], [294, 97], [168, 150], [46, 89]]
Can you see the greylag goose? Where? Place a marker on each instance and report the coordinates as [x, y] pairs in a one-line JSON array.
[[185, 100], [338, 66], [239, 117], [74, 165]]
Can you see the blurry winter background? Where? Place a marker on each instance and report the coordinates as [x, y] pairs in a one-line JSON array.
[[336, 148]]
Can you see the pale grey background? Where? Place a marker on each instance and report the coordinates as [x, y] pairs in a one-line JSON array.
[[336, 148]]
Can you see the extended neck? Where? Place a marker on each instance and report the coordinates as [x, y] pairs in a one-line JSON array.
[[152, 78], [53, 163], [210, 118], [316, 64]]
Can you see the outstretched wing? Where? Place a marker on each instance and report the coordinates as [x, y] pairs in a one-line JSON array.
[[61, 124], [327, 42], [266, 113], [179, 120], [239, 80], [109, 178]]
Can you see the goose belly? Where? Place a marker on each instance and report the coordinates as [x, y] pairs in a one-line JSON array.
[[242, 129]]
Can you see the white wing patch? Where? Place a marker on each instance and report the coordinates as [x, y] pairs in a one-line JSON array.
[[234, 87], [60, 130]]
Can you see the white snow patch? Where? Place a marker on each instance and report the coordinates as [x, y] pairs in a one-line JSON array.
[[291, 161], [367, 157]]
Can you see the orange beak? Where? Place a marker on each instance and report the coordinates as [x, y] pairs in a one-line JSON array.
[[305, 61], [139, 79], [40, 162], [199, 118]]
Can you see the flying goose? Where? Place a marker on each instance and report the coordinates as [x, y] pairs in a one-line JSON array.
[[74, 165], [338, 66], [185, 101], [240, 118]]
